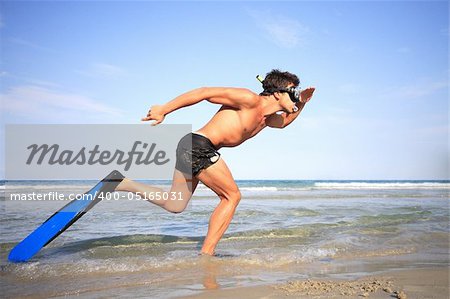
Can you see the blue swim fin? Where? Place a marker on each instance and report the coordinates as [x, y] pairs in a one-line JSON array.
[[63, 219]]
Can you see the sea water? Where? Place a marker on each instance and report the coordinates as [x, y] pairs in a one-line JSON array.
[[282, 229]]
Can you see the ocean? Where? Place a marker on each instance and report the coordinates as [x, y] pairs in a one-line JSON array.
[[282, 229]]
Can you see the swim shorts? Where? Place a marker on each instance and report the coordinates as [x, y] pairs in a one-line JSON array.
[[192, 160]]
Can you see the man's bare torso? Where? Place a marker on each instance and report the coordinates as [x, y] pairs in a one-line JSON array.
[[230, 126]]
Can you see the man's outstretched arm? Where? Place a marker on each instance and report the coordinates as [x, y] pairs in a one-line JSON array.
[[233, 97]]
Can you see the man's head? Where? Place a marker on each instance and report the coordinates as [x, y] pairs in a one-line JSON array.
[[276, 81]]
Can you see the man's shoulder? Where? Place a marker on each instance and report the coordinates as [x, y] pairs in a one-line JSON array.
[[248, 97], [229, 96], [241, 91]]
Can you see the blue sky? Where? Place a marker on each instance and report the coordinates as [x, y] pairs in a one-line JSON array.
[[380, 68]]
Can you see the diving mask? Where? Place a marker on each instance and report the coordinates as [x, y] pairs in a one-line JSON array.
[[294, 92]]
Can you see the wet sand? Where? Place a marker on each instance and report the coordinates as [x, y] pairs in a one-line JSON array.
[[414, 283]]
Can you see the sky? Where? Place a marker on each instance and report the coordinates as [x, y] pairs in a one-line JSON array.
[[380, 68]]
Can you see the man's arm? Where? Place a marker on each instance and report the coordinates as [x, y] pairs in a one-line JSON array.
[[233, 97], [284, 119], [281, 120]]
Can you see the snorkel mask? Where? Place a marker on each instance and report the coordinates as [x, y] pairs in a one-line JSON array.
[[294, 92]]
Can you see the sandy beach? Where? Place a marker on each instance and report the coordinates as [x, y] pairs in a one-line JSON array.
[[415, 283]]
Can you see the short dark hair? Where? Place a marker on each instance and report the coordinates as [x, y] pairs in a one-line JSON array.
[[276, 80]]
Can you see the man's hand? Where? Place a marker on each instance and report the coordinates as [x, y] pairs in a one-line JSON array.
[[306, 94], [155, 113]]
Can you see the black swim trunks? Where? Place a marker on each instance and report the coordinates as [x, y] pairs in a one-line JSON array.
[[192, 160]]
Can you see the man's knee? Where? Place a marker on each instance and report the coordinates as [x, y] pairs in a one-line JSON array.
[[179, 204], [175, 208], [233, 196]]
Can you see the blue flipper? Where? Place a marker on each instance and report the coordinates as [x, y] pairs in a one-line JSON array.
[[63, 219]]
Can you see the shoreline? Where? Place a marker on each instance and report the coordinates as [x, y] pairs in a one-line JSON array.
[[288, 239], [428, 282]]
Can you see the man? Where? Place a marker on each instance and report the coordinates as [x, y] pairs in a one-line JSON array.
[[242, 115]]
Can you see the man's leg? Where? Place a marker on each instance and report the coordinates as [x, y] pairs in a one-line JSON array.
[[181, 185], [219, 179]]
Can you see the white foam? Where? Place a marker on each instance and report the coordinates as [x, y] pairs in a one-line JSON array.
[[382, 185], [252, 189], [258, 189]]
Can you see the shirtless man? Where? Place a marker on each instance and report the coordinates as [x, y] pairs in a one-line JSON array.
[[243, 114]]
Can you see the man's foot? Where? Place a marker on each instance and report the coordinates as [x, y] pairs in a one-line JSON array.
[[207, 250], [205, 254]]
